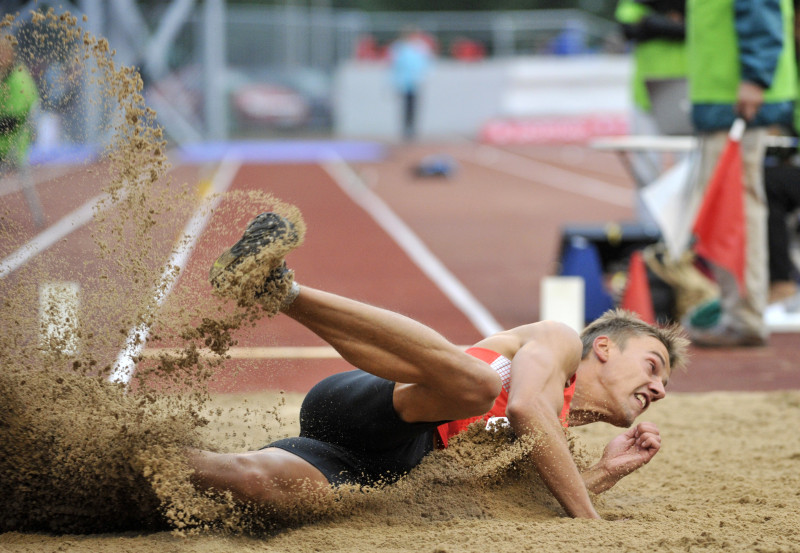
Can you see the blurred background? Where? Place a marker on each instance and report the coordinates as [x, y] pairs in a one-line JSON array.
[[220, 70]]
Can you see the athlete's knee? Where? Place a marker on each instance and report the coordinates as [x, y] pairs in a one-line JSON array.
[[253, 478], [270, 479], [478, 387]]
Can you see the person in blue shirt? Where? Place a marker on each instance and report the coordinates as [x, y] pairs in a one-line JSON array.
[[410, 56]]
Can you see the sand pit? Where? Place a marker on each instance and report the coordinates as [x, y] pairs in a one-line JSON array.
[[727, 479]]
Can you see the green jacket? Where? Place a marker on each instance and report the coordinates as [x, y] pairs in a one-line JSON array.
[[659, 49], [730, 41], [18, 95]]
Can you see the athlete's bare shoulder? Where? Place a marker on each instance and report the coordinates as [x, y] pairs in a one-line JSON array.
[[552, 334]]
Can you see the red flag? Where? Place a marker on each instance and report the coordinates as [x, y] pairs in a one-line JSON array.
[[720, 227], [637, 297]]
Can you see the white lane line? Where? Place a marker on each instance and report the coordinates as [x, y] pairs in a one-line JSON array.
[[125, 364], [59, 308], [62, 228], [66, 225], [10, 184], [550, 175], [351, 184], [257, 352]]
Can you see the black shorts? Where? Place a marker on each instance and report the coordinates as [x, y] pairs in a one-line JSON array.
[[350, 431]]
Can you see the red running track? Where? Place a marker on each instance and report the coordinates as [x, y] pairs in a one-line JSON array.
[[495, 225]]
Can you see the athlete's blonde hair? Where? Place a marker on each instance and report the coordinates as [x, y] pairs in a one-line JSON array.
[[619, 325]]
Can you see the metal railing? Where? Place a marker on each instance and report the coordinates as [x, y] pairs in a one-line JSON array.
[[195, 56]]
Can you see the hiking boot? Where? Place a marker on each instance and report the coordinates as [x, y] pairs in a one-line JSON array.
[[259, 254]]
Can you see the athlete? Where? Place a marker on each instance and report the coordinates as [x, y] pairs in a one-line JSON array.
[[413, 390]]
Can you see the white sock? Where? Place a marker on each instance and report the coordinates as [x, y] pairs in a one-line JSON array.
[[294, 291]]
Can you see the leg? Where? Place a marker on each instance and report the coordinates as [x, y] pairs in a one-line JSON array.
[[741, 322], [438, 381], [645, 166], [268, 477], [783, 197], [409, 115], [747, 312]]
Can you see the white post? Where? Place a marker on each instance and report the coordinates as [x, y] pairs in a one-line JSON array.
[[214, 66], [562, 299], [58, 317]]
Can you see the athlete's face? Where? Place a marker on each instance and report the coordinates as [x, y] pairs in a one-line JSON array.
[[633, 378]]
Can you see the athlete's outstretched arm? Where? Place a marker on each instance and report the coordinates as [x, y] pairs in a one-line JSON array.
[[623, 455], [539, 371]]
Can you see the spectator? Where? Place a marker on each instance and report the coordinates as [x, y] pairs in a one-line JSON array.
[[657, 31], [783, 198], [18, 95], [570, 41], [465, 49], [410, 57], [741, 64], [367, 49]]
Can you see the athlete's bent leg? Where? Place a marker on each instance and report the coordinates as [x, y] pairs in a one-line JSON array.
[[439, 381], [268, 477]]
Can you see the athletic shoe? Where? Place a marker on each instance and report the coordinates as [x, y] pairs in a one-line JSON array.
[[260, 252]]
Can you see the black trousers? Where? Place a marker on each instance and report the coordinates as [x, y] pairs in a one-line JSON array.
[[782, 184], [409, 114], [350, 431]]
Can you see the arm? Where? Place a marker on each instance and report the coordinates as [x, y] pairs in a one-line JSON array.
[[759, 29], [641, 22], [749, 99], [623, 455], [539, 369], [655, 26]]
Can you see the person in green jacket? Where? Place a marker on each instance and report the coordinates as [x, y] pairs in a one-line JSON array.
[[18, 95], [657, 31], [741, 65]]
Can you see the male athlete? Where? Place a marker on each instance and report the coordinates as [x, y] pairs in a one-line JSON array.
[[413, 390]]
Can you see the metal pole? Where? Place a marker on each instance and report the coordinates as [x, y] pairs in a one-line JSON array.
[[95, 24], [503, 36], [214, 65]]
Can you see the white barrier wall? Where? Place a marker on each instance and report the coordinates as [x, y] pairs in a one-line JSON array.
[[458, 98]]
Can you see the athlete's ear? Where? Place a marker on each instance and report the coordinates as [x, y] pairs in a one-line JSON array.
[[601, 347]]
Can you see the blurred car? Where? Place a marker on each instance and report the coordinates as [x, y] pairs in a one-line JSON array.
[[270, 104], [285, 99]]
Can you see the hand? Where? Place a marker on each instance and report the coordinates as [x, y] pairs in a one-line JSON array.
[[749, 99], [675, 16], [630, 450]]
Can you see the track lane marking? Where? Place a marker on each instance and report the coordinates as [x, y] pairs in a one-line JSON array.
[[52, 234], [256, 352], [352, 185], [549, 175], [137, 336]]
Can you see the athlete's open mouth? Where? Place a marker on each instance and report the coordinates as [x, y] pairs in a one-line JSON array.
[[642, 400]]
